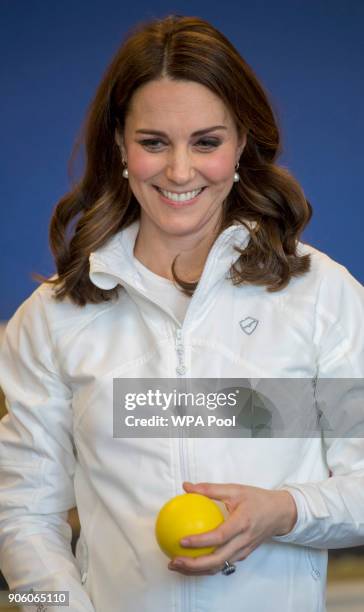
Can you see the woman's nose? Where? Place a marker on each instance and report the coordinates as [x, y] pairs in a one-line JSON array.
[[180, 167]]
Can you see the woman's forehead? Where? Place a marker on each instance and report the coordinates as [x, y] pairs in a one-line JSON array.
[[166, 100]]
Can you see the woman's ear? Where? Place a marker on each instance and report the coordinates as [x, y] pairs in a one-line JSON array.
[[241, 146], [120, 143]]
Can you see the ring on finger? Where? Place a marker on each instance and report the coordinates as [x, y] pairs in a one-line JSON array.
[[229, 568]]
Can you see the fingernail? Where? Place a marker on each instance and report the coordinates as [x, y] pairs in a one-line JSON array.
[[185, 542]]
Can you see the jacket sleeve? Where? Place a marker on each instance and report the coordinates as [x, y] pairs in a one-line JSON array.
[[331, 512], [37, 463]]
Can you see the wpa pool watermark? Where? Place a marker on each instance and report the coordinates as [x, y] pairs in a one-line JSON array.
[[238, 408]]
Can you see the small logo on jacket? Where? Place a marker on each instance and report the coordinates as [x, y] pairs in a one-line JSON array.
[[248, 325]]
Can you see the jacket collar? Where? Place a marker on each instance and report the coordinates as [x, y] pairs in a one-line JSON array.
[[113, 264]]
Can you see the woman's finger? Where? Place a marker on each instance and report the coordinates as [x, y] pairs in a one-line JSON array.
[[218, 491], [239, 555], [229, 529], [192, 573], [214, 561]]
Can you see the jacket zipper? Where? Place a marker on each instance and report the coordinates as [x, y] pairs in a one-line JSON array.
[[181, 371], [180, 350]]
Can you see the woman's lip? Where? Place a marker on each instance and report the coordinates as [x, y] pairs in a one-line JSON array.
[[179, 192], [178, 204]]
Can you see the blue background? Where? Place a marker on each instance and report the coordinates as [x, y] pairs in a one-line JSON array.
[[308, 55]]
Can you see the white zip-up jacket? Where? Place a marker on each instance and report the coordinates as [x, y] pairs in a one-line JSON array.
[[57, 447]]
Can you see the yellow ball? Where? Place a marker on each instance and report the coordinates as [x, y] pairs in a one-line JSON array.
[[185, 515]]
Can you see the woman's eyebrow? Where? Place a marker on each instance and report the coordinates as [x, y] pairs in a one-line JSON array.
[[198, 133]]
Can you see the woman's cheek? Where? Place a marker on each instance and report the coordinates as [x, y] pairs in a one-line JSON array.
[[218, 167], [144, 165]]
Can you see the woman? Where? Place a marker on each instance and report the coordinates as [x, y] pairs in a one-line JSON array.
[[178, 257]]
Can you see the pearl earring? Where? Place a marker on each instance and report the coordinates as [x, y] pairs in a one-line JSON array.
[[236, 174], [125, 171]]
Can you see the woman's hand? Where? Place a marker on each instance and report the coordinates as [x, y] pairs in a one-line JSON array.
[[255, 515]]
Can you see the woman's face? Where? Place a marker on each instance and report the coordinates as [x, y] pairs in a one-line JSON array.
[[180, 177]]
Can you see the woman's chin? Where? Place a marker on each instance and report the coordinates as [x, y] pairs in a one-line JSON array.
[[185, 227]]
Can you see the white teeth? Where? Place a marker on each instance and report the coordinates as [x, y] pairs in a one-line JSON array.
[[180, 197]]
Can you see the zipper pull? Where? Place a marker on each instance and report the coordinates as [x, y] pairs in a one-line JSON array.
[[179, 337], [181, 368]]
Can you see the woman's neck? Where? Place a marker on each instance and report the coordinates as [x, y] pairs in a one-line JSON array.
[[157, 249]]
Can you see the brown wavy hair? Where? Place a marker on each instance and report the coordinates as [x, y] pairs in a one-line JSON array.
[[101, 202]]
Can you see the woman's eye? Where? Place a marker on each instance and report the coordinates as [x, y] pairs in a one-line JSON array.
[[204, 143], [151, 142], [208, 142]]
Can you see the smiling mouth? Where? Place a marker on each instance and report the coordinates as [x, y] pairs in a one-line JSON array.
[[186, 196]]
